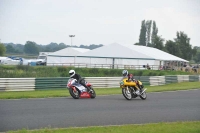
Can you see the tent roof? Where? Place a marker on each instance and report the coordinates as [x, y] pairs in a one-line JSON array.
[[156, 53], [69, 51], [132, 51], [115, 51]]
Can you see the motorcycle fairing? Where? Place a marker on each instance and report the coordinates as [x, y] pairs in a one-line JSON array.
[[80, 87]]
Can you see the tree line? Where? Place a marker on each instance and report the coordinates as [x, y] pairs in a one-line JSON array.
[[179, 47], [32, 48]]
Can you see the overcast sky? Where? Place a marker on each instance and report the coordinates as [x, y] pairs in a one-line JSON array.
[[95, 21]]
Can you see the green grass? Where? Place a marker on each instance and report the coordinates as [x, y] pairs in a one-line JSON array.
[[173, 127], [99, 91], [175, 86]]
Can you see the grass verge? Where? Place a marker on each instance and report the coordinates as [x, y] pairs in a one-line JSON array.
[[173, 127], [99, 91]]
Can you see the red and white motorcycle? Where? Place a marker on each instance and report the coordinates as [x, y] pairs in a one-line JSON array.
[[77, 90]]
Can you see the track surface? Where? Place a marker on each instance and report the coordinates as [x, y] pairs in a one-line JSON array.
[[103, 110]]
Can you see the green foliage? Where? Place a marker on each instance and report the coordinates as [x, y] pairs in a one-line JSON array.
[[61, 71], [173, 48], [2, 49], [154, 33], [10, 49], [186, 51], [138, 73], [148, 30], [158, 41], [142, 38], [31, 48], [93, 46]]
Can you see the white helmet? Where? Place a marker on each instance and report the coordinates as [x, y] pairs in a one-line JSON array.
[[71, 73], [125, 73]]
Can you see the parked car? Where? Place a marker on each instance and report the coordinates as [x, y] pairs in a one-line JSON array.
[[9, 61]]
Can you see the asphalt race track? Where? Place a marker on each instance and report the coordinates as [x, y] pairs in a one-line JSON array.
[[103, 110]]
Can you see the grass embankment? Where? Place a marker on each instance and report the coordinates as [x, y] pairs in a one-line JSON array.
[[173, 127], [61, 71], [99, 91]]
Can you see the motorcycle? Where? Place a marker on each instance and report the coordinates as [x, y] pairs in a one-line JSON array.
[[77, 90], [129, 89]]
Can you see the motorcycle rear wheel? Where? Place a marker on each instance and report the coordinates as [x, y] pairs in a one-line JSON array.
[[74, 94], [127, 93]]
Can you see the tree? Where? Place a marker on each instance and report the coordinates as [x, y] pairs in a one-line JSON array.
[[154, 33], [31, 48], [159, 43], [148, 30], [183, 42], [52, 47], [10, 49], [142, 38], [172, 48], [2, 49], [19, 48], [61, 46]]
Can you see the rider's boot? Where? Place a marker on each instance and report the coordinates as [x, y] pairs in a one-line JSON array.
[[141, 88]]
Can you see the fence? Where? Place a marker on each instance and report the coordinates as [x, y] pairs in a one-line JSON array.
[[122, 66], [30, 84]]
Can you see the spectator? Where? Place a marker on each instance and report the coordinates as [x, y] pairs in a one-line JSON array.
[[148, 66]]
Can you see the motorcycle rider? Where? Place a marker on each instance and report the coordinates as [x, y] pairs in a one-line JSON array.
[[79, 79], [131, 78]]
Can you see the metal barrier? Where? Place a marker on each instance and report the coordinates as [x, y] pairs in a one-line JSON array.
[[104, 82], [51, 83], [27, 84], [17, 84]]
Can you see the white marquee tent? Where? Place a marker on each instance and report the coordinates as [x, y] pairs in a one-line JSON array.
[[120, 56], [113, 55], [64, 56]]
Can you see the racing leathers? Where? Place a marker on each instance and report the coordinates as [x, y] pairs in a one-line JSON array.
[[80, 80]]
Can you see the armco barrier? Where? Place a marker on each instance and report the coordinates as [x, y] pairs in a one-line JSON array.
[[171, 79], [51, 83], [193, 78], [157, 80], [145, 79], [17, 84], [27, 84], [105, 82], [183, 78]]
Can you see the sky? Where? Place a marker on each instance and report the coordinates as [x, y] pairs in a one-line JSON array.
[[95, 21]]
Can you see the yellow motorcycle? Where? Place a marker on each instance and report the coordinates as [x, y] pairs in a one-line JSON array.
[[129, 89]]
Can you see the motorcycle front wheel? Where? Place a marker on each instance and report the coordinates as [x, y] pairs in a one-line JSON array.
[[127, 93], [143, 96], [74, 93], [92, 93]]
